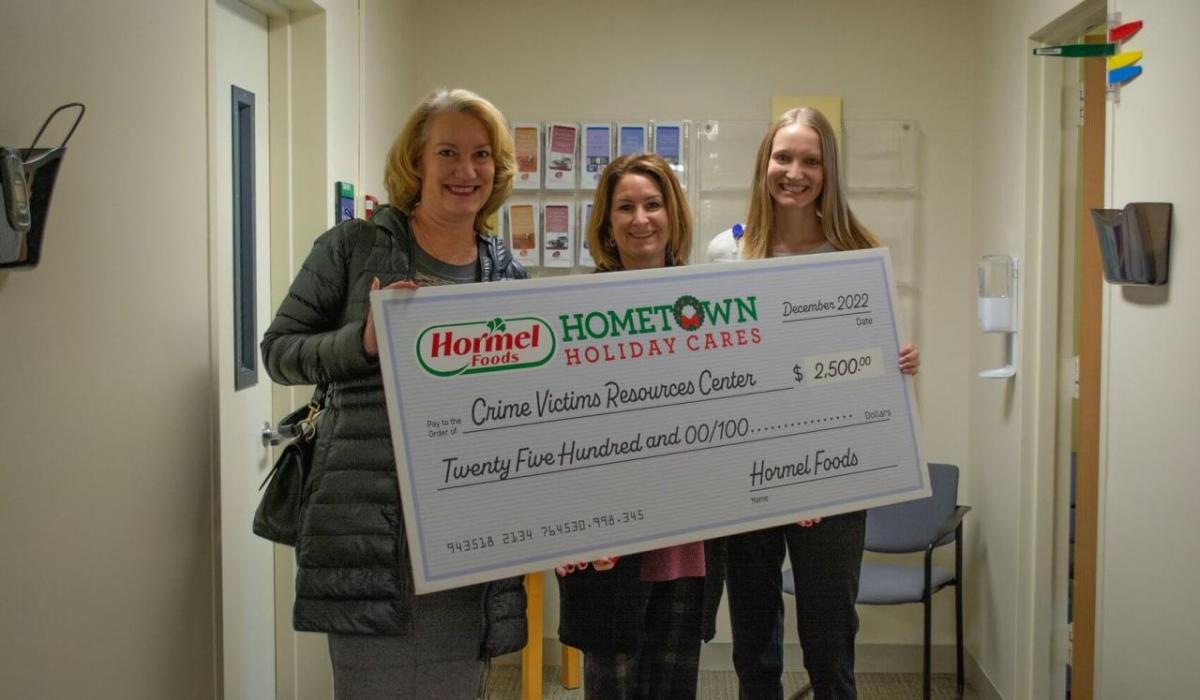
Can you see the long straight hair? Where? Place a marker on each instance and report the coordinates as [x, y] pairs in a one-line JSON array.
[[842, 229]]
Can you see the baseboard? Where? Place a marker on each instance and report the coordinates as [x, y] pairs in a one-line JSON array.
[[978, 681], [869, 658]]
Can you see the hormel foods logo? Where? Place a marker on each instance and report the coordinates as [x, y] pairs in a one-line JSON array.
[[485, 346]]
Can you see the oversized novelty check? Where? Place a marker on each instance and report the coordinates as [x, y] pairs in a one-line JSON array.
[[564, 419]]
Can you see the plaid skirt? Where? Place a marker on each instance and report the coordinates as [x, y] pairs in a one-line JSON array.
[[669, 661]]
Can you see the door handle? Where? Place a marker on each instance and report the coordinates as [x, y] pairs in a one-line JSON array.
[[270, 436]]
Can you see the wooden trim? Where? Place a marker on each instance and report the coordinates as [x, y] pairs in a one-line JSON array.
[[1089, 320], [531, 655], [571, 675]]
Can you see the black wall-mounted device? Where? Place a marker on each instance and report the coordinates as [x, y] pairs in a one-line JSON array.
[[1135, 242], [28, 176]]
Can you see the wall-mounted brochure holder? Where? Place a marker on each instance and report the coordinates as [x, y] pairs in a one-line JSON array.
[[714, 160], [998, 285], [1135, 242], [562, 142], [524, 231], [27, 177], [527, 143]]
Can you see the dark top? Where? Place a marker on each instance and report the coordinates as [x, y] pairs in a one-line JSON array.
[[604, 612]]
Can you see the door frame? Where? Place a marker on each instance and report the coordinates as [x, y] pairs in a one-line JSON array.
[[297, 62], [1038, 472]]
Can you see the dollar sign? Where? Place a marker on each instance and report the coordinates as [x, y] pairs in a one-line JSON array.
[[799, 374]]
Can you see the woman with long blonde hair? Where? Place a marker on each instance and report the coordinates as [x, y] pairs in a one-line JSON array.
[[798, 206]]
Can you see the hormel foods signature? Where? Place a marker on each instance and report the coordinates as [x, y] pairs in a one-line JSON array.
[[472, 347]]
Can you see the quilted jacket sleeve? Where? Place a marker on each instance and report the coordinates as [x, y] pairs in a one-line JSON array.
[[316, 338]]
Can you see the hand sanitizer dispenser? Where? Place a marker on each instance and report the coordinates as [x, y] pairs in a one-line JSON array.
[[998, 277]]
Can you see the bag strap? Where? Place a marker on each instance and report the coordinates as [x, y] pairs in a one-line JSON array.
[[300, 422]]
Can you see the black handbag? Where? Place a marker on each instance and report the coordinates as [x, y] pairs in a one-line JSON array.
[[277, 517]]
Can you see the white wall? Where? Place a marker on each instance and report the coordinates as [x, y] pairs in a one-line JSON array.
[[1148, 644], [1148, 568], [999, 561], [105, 472], [105, 480], [390, 86], [719, 59], [105, 444], [342, 83]]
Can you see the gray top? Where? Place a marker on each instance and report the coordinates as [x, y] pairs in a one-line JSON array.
[[428, 271]]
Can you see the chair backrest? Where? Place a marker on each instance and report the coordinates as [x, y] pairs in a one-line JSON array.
[[912, 525]]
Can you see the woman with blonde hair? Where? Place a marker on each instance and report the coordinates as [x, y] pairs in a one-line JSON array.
[[798, 206], [449, 169], [640, 618]]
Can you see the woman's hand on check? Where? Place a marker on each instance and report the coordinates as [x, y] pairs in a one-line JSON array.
[[809, 523], [910, 359], [602, 564]]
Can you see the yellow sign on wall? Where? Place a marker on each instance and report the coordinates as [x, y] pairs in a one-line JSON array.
[[830, 106]]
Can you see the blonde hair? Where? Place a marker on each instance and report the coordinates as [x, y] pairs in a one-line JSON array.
[[402, 170], [599, 226], [842, 229]]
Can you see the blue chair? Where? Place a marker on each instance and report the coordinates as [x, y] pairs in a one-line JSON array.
[[915, 526]]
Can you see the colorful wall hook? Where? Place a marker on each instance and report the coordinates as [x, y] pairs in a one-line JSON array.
[[1125, 58], [1123, 75], [1124, 31], [1076, 50]]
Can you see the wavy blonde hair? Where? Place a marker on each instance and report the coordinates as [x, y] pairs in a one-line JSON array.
[[842, 229], [599, 226], [402, 171]]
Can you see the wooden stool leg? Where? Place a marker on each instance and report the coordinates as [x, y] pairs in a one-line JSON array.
[[571, 668], [531, 656]]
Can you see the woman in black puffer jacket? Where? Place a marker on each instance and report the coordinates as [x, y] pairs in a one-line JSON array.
[[450, 168]]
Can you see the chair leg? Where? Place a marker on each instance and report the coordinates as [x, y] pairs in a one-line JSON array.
[[927, 666], [960, 681]]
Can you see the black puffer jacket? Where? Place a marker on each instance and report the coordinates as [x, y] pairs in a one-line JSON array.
[[354, 574]]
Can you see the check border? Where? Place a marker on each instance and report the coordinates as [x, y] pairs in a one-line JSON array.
[[383, 301]]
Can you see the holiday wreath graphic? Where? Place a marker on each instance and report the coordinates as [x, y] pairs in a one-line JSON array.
[[689, 312]]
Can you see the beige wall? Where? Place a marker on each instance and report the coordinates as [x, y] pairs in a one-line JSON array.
[[390, 87], [105, 480], [1002, 558], [1146, 618], [105, 446], [710, 59], [343, 110], [1147, 640]]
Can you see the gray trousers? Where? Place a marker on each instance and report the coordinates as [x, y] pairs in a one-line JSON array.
[[440, 659]]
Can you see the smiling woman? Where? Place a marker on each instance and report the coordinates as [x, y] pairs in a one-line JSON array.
[[459, 125], [798, 206], [449, 169], [640, 217], [639, 619]]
